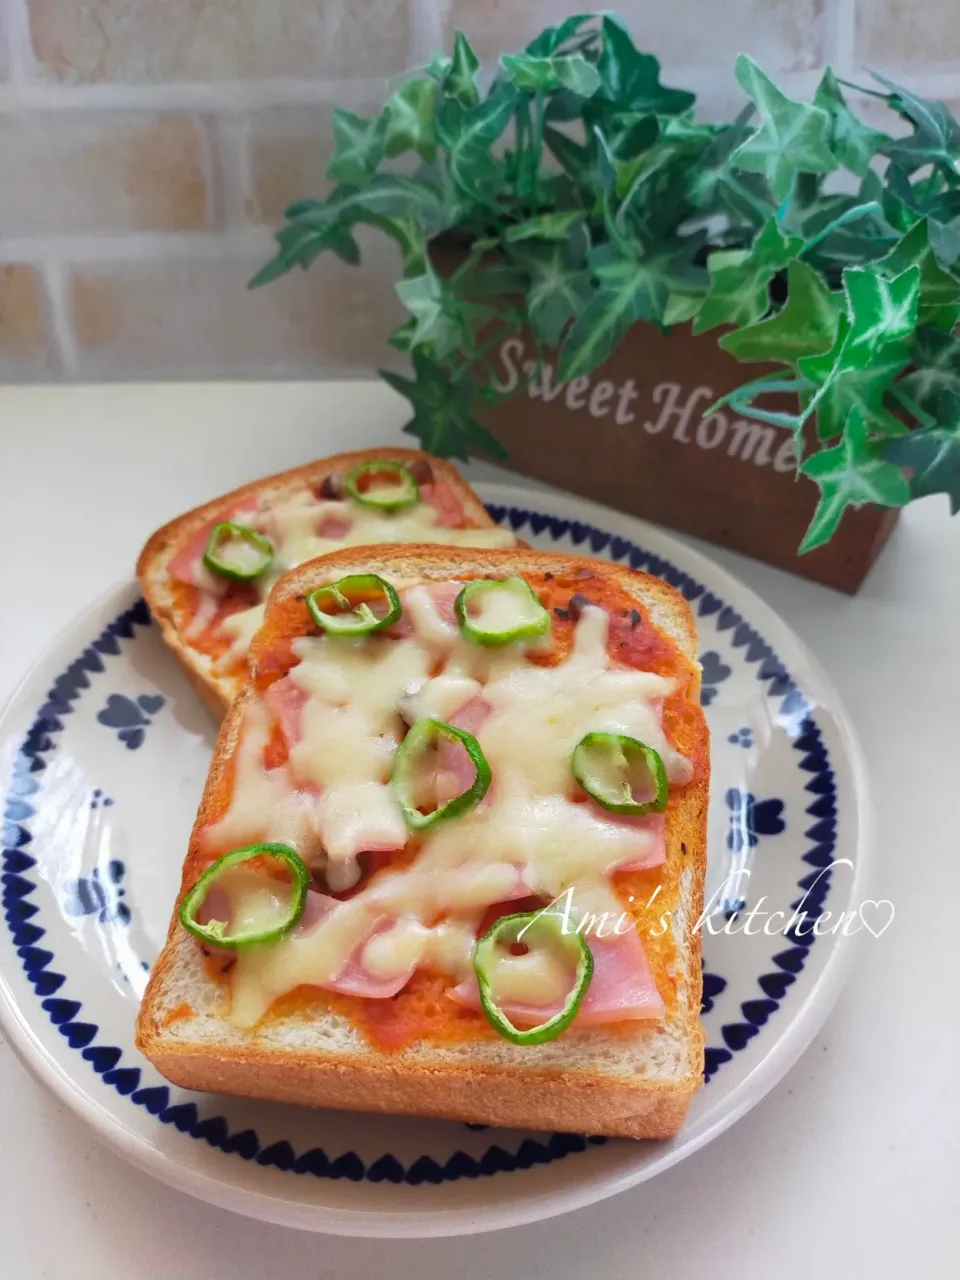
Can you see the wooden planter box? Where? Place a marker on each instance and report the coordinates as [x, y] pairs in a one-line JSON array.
[[633, 435]]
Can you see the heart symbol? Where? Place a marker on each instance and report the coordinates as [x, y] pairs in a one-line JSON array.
[[132, 737], [151, 702], [883, 906], [714, 670], [120, 712]]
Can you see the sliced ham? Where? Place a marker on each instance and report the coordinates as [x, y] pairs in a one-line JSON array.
[[445, 503], [334, 527], [444, 596], [622, 988], [455, 770], [187, 565], [472, 715], [648, 855], [285, 700], [352, 979]]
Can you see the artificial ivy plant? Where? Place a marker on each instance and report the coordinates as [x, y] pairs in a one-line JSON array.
[[588, 197]]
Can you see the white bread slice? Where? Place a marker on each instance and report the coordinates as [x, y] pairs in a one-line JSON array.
[[218, 691], [636, 1082]]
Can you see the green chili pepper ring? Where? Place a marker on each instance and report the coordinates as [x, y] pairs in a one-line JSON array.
[[402, 775], [619, 799], [507, 930], [355, 620], [532, 628], [404, 494], [215, 931], [228, 529]]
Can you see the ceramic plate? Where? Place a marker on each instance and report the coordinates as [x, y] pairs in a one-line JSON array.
[[106, 750]]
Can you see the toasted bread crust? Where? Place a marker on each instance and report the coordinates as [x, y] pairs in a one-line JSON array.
[[421, 1081], [217, 692]]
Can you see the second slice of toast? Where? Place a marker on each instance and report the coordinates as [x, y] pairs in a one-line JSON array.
[[208, 623]]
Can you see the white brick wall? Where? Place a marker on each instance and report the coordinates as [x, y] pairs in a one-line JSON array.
[[146, 147]]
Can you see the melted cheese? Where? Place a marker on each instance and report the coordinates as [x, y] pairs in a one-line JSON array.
[[241, 627], [292, 518], [439, 698], [350, 728], [503, 608], [408, 945], [256, 902], [538, 978], [528, 825], [264, 804]]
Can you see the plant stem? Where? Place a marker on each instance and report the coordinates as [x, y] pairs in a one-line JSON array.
[[858, 88], [537, 150], [925, 419]]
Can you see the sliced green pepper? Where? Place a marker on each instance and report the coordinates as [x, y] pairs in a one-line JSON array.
[[403, 492], [215, 931], [407, 768], [606, 764], [535, 926], [495, 611], [237, 552], [350, 597]]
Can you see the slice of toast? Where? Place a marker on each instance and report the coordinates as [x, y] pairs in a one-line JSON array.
[[174, 605], [633, 1079]]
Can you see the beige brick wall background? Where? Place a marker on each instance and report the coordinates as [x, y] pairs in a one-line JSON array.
[[148, 146]]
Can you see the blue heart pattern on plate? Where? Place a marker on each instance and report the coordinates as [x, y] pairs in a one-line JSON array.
[[130, 718]]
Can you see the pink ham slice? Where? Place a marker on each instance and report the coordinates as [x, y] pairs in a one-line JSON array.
[[647, 856], [622, 988], [353, 980], [285, 701], [187, 564], [455, 772], [444, 502], [335, 528]]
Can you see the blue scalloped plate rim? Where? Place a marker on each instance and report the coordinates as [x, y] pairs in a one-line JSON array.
[[382, 1192]]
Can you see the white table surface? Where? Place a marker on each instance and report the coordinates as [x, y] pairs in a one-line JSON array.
[[849, 1168]]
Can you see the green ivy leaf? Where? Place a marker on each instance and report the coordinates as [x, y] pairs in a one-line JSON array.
[[841, 391], [547, 226], [629, 288], [359, 147], [739, 281], [442, 420], [544, 75], [403, 335], [804, 326], [937, 136], [300, 243], [438, 322], [410, 121], [621, 155], [459, 82], [853, 142], [681, 307], [792, 137], [410, 238], [880, 311], [631, 80], [578, 161], [939, 302], [438, 66], [933, 453], [551, 39], [936, 368], [849, 475], [557, 285], [467, 136]]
